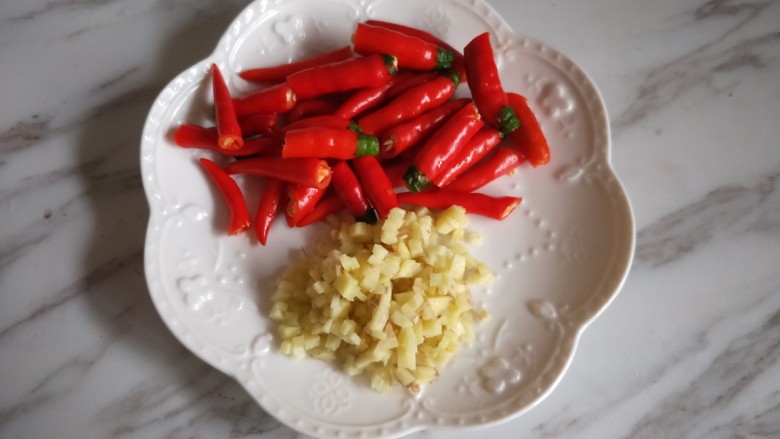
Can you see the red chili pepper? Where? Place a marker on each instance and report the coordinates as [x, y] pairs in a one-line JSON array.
[[528, 138], [275, 99], [252, 146], [312, 107], [326, 207], [478, 204], [368, 98], [412, 52], [281, 72], [368, 71], [255, 124], [324, 121], [328, 143], [348, 189], [228, 130], [504, 161], [410, 82], [303, 199], [404, 136], [231, 194], [411, 153], [442, 147], [485, 85], [305, 172], [458, 64], [376, 184], [484, 141], [275, 150], [409, 105], [395, 171], [196, 136], [273, 192]]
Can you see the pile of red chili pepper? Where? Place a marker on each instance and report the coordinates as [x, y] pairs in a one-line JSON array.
[[346, 129]]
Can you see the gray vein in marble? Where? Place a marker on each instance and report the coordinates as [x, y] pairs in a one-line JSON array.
[[143, 95], [700, 342], [752, 206], [117, 79], [735, 369], [24, 133], [35, 130], [52, 387], [244, 416], [56, 6], [764, 422], [105, 184], [101, 272], [249, 418], [668, 82], [37, 181], [134, 406], [556, 428], [17, 247], [210, 390], [728, 7], [194, 403]]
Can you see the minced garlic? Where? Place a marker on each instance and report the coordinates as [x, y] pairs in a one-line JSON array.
[[390, 300]]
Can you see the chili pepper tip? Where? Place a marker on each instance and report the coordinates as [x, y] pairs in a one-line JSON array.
[[366, 145], [510, 208], [415, 180], [508, 120], [444, 59], [454, 77], [391, 62]]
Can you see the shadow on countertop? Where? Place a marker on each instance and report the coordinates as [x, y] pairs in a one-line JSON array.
[[186, 396]]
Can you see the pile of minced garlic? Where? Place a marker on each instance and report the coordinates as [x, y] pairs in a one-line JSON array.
[[390, 300]]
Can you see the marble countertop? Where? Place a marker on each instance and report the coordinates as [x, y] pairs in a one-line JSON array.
[[690, 347]]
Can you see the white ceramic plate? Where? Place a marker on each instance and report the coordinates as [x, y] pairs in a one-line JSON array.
[[559, 259]]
